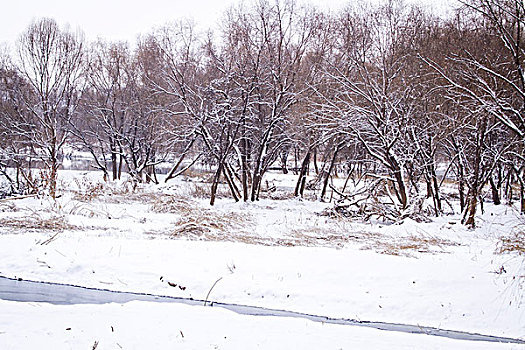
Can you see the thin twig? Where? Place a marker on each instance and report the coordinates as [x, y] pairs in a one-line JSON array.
[[205, 301], [51, 239]]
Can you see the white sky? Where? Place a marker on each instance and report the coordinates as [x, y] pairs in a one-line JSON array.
[[121, 19]]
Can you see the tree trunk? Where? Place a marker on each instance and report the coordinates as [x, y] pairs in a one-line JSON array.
[[403, 198], [231, 184], [121, 161], [244, 168], [296, 159], [53, 180], [256, 182], [401, 192], [508, 186], [522, 197], [495, 192], [330, 168], [299, 187], [284, 161], [171, 174], [257, 170], [476, 186], [472, 206], [429, 187], [437, 197], [461, 186], [519, 176], [215, 183], [53, 167], [114, 167], [316, 167]]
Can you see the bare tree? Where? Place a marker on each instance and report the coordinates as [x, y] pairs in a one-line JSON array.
[[106, 107], [51, 62], [15, 145], [271, 44], [488, 82], [371, 96], [173, 71]]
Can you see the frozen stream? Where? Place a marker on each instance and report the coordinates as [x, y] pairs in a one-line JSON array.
[[54, 293]]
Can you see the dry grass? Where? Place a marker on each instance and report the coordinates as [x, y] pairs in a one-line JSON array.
[[279, 195], [513, 244], [134, 197], [199, 223], [110, 192], [200, 190], [383, 244], [195, 223], [198, 174], [203, 190], [88, 190], [316, 236], [235, 227], [58, 223], [172, 204], [408, 245], [209, 224], [8, 207]]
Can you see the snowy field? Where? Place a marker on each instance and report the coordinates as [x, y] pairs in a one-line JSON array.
[[276, 253]]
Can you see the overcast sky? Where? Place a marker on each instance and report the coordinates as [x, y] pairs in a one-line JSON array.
[[122, 19]]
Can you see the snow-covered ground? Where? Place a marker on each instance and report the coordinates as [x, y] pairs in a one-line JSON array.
[[143, 325], [280, 254]]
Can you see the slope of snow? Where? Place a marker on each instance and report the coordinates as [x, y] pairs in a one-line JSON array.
[[276, 254]]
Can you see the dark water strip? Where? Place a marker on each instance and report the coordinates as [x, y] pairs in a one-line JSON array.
[[67, 294]]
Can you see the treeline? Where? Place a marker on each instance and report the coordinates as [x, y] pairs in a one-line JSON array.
[[396, 98]]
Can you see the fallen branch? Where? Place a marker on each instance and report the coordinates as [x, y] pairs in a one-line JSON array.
[[18, 197]]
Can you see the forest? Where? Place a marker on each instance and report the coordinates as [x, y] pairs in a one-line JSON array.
[[398, 101]]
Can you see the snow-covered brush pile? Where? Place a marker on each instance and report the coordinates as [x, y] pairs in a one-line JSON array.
[[376, 208], [374, 199]]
